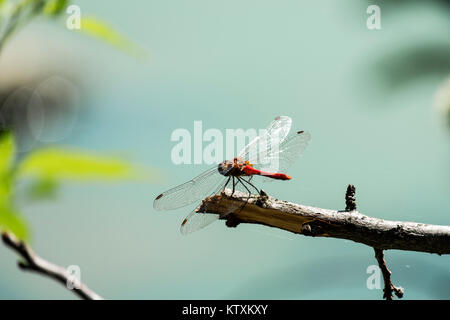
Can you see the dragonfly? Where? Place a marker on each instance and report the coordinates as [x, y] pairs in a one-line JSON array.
[[268, 155]]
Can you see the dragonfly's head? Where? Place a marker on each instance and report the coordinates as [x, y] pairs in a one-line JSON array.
[[231, 167], [225, 167]]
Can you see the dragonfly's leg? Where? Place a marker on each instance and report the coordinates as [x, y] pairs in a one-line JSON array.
[[249, 193], [223, 189], [257, 190], [240, 180], [234, 186]]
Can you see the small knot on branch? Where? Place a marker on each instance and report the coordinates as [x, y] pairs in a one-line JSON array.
[[350, 199], [232, 221], [398, 292], [262, 199], [306, 229], [313, 228]]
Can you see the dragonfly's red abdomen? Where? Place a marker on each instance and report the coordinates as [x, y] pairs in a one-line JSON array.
[[248, 170]]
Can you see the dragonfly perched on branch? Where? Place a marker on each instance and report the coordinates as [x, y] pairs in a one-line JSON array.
[[269, 155]]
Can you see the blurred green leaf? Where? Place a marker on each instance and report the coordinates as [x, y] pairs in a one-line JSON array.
[[7, 153], [8, 219], [61, 163], [42, 189], [55, 7], [13, 222], [101, 30], [5, 191]]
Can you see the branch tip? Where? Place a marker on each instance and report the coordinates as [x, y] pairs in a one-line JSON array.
[[389, 289]]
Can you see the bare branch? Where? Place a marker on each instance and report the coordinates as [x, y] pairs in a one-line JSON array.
[[33, 262], [318, 222]]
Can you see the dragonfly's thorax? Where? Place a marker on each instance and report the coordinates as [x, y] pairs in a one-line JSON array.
[[233, 167]]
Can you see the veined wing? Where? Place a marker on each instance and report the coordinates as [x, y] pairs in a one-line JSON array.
[[274, 134], [198, 220], [282, 158], [190, 191]]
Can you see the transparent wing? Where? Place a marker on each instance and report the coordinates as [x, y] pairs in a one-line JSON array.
[[281, 159], [196, 221], [274, 134], [190, 191]]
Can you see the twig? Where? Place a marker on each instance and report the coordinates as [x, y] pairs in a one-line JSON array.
[[317, 222], [33, 262], [350, 200], [389, 288]]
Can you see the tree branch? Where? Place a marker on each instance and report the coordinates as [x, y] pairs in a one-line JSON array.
[[33, 262], [317, 222]]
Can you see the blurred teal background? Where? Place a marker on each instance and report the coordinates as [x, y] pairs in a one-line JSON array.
[[239, 64]]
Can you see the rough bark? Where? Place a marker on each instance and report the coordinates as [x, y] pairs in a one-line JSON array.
[[317, 222]]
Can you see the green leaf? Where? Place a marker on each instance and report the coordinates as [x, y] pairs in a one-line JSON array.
[[43, 188], [7, 153], [101, 30], [62, 163], [7, 157], [55, 7], [13, 222], [5, 191]]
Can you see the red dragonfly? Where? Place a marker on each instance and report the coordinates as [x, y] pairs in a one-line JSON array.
[[268, 155]]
